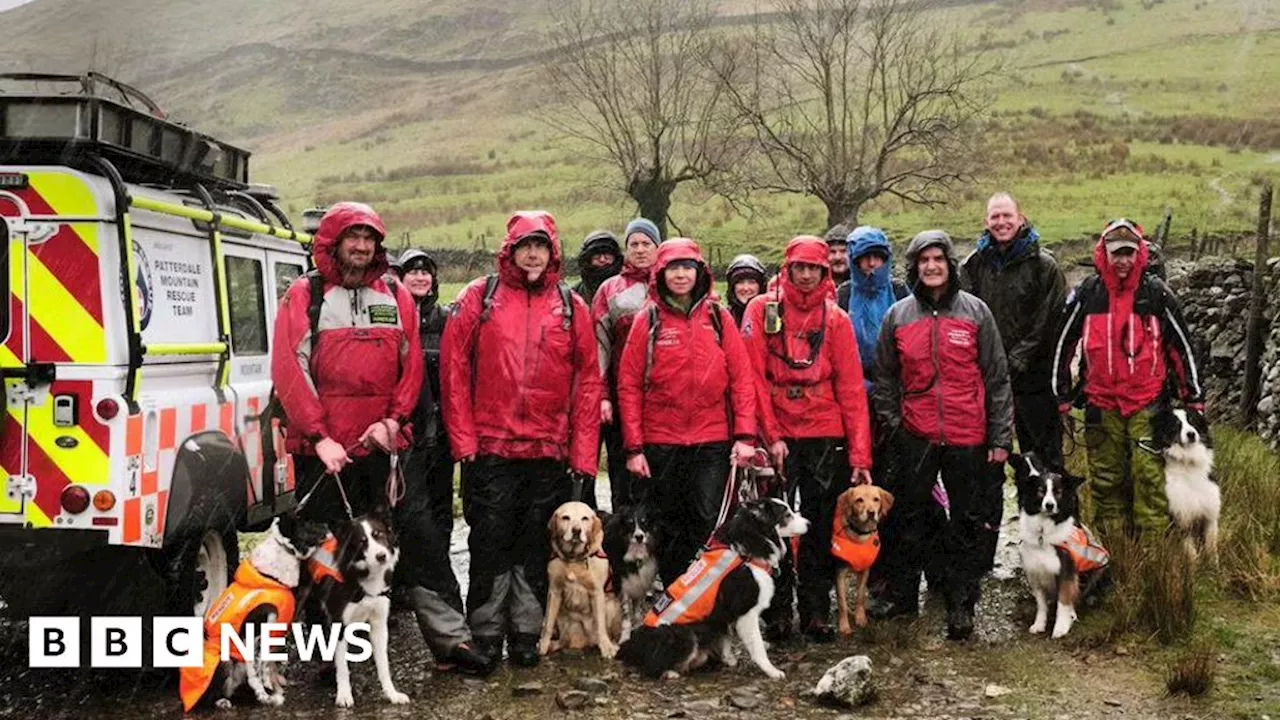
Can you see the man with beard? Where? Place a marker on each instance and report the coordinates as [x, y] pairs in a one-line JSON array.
[[347, 372], [837, 239], [599, 259]]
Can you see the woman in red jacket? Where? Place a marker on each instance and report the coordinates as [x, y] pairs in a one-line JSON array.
[[685, 391], [814, 409]]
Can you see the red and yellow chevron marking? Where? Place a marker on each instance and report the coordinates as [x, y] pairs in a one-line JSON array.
[[57, 286]]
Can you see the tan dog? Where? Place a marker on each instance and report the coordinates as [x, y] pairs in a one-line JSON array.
[[580, 614], [855, 541]]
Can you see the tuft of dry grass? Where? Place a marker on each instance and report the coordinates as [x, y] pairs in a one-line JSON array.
[[1155, 589], [1192, 672]]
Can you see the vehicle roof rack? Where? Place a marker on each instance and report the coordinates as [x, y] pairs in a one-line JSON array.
[[95, 114]]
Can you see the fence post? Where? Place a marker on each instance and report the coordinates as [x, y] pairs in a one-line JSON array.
[[1257, 304], [1195, 251]]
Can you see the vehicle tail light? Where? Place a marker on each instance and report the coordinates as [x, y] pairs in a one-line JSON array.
[[108, 408], [75, 499], [104, 500]]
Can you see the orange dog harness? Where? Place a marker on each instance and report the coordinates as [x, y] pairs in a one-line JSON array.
[[859, 556], [691, 598], [1085, 551], [249, 591], [323, 563]]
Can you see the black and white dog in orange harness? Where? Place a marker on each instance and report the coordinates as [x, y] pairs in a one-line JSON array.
[[1060, 558], [727, 586], [261, 592]]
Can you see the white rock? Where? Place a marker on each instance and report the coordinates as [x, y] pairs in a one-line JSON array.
[[848, 683]]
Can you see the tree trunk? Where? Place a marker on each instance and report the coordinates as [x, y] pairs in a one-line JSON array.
[[841, 211], [654, 202]]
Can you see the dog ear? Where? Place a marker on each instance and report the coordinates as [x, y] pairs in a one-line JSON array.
[[886, 501], [552, 527], [597, 536], [1073, 482]]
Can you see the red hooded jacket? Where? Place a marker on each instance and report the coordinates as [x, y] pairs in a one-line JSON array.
[[367, 363], [1133, 333], [519, 385], [812, 396], [693, 381], [616, 303]]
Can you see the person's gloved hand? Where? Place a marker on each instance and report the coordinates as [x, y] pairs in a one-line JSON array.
[[1064, 408], [1197, 407]]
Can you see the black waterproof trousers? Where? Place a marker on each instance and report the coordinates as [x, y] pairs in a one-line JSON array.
[[508, 504], [364, 480], [974, 489], [424, 524], [819, 469], [683, 500]]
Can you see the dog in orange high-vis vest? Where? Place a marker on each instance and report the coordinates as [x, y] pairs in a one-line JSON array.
[[1061, 559], [855, 542], [726, 588], [262, 591]]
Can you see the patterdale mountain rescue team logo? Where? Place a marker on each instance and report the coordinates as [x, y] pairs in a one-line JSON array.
[[142, 279]]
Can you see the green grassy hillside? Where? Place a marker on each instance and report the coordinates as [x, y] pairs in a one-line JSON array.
[[429, 109]]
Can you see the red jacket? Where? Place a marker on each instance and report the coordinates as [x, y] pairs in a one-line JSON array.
[[941, 371], [825, 399], [616, 303], [693, 380], [368, 363], [1133, 334], [520, 385]]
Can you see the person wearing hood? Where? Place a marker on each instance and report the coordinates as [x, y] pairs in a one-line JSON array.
[[613, 309], [1021, 282], [942, 394], [349, 385], [815, 416], [837, 239], [746, 279], [599, 259], [424, 519], [521, 388], [687, 403], [1134, 334], [869, 292]]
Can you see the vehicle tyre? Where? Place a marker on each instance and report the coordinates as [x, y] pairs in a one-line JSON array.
[[199, 568]]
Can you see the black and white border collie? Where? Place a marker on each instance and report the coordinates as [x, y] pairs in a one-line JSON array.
[[631, 547], [757, 532], [367, 553], [1048, 511], [1195, 501]]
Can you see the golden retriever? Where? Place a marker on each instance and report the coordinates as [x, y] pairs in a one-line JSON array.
[[580, 614], [856, 543]]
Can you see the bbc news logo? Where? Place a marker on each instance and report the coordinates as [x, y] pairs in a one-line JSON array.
[[177, 642]]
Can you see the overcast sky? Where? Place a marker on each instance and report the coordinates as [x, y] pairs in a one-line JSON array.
[[6, 4]]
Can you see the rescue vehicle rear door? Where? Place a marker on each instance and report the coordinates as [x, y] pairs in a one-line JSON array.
[[14, 354], [248, 285]]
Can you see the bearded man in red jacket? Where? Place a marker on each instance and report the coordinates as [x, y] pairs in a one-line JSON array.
[[349, 387], [521, 385]]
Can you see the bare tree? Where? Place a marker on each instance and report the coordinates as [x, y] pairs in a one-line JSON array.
[[636, 87], [853, 99]]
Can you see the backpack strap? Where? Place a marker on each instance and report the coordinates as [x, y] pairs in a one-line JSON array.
[[315, 283], [717, 322], [566, 299], [486, 302], [652, 343]]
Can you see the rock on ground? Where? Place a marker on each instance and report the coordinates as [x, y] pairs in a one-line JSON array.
[[848, 683]]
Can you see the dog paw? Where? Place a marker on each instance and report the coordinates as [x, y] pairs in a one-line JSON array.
[[608, 650], [344, 699], [671, 675], [544, 646], [844, 629], [222, 703], [729, 660], [1036, 628], [1061, 629], [275, 700], [397, 698], [774, 673]]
